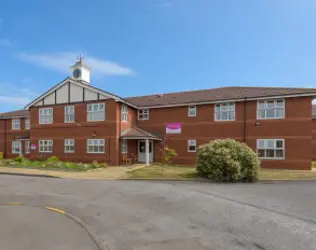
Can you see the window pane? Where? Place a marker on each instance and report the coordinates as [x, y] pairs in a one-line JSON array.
[[270, 153], [270, 104], [280, 112], [270, 113], [279, 144], [261, 144], [218, 116], [261, 105], [261, 113], [261, 153], [225, 115], [279, 153], [280, 103], [191, 148], [270, 144]]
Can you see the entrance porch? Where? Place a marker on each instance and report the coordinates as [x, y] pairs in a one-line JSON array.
[[137, 146]]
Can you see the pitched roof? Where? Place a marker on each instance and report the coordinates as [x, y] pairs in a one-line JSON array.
[[216, 94], [12, 114], [136, 132]]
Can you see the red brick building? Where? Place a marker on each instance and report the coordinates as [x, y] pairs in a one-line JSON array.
[[78, 122]]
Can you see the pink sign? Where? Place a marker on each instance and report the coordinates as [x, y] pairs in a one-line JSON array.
[[173, 128], [33, 146]]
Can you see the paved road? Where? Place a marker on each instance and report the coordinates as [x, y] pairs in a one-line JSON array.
[[156, 215]]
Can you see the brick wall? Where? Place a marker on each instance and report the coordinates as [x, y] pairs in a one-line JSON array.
[[295, 129]]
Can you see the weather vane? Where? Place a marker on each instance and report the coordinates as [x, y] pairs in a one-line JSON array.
[[80, 58]]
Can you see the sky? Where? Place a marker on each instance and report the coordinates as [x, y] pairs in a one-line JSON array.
[[140, 47]]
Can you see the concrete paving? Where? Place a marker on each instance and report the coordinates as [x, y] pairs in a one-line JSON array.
[[158, 215]]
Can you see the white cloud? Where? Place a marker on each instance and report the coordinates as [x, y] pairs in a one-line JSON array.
[[166, 4], [62, 61], [5, 42], [15, 95]]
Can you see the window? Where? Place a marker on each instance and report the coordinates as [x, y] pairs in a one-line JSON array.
[[143, 114], [69, 114], [15, 124], [46, 116], [27, 124], [15, 147], [124, 113], [124, 146], [191, 145], [96, 112], [273, 109], [225, 112], [27, 147], [270, 149], [192, 111], [45, 146], [69, 145], [95, 146]]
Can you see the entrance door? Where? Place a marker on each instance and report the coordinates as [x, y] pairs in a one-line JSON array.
[[142, 151]]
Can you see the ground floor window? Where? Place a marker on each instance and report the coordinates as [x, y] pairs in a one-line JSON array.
[[191, 145], [15, 147], [124, 146], [69, 145], [45, 146], [27, 147], [270, 148], [95, 146]]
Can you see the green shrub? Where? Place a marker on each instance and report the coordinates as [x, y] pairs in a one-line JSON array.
[[52, 159], [95, 164], [19, 159], [103, 165], [227, 160]]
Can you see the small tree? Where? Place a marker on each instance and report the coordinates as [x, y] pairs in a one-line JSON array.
[[167, 154]]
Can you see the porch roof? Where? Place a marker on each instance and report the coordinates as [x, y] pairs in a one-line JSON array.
[[137, 133]]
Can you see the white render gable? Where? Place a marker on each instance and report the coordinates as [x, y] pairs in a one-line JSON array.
[[71, 91]]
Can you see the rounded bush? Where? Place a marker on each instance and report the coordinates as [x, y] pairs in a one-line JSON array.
[[228, 160], [52, 159]]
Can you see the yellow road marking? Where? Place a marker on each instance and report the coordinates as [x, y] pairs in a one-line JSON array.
[[56, 210], [12, 203]]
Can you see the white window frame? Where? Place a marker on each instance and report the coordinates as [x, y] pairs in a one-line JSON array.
[[27, 124], [67, 144], [124, 113], [27, 147], [95, 143], [191, 143], [265, 108], [221, 108], [69, 112], [192, 111], [16, 124], [46, 118], [100, 108], [265, 142], [16, 147], [124, 147], [143, 114], [41, 146]]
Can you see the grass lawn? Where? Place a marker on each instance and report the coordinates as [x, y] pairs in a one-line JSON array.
[[188, 172], [170, 172]]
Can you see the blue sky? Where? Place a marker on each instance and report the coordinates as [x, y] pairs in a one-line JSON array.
[[138, 47]]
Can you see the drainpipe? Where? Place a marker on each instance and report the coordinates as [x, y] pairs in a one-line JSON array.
[[245, 120]]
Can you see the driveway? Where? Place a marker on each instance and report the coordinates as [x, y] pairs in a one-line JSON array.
[[156, 215]]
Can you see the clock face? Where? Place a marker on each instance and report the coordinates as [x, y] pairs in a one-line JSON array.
[[77, 73]]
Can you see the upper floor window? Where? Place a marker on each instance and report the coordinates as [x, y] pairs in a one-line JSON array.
[[191, 145], [16, 124], [95, 146], [27, 124], [27, 147], [225, 112], [124, 113], [69, 112], [69, 145], [270, 148], [16, 147], [192, 111], [143, 114], [124, 146], [272, 109], [96, 112], [45, 146], [45, 115]]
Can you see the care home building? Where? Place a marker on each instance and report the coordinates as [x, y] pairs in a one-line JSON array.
[[76, 121]]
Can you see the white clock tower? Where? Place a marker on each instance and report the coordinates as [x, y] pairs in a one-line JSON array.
[[81, 72]]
